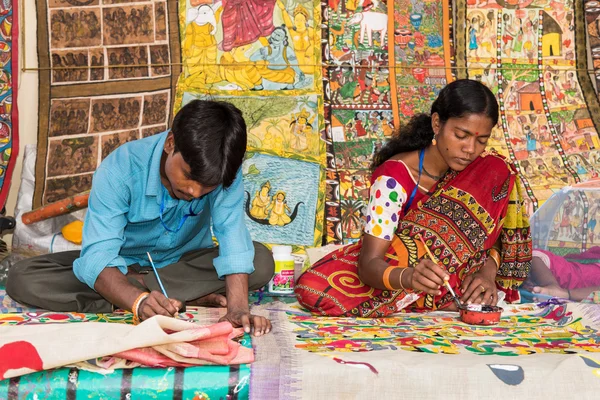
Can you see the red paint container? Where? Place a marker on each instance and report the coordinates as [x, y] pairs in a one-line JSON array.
[[488, 315]]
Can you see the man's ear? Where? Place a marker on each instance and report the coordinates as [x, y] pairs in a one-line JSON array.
[[169, 143]]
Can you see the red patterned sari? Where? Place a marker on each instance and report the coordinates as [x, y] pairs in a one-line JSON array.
[[460, 220]]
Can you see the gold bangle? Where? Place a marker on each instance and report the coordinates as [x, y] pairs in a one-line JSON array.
[[386, 277], [136, 305], [400, 278]]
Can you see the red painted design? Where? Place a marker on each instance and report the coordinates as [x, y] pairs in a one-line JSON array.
[[372, 368], [16, 355]]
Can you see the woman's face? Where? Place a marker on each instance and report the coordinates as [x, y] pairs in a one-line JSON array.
[[461, 140]]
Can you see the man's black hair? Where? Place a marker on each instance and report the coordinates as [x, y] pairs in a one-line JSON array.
[[211, 137]]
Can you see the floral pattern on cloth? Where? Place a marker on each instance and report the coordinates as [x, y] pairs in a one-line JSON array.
[[387, 198], [523, 330]]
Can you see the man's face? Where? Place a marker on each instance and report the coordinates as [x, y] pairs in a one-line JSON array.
[[277, 36], [177, 179]]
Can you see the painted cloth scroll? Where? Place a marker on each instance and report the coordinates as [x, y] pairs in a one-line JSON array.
[[105, 79], [264, 57], [9, 122], [383, 63]]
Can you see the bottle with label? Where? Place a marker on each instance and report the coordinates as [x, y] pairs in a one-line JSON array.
[[283, 280]]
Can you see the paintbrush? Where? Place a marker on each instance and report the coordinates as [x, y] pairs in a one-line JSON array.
[[446, 283], [162, 288]]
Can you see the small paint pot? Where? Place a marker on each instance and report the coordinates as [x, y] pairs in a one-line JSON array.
[[480, 315]]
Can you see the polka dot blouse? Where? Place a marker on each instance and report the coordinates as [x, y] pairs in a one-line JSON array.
[[391, 184]]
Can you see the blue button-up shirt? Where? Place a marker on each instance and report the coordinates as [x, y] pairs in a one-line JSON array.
[[123, 218]]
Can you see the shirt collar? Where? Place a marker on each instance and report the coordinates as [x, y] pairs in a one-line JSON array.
[[154, 186]]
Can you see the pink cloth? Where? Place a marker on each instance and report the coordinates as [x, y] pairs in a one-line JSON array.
[[180, 355], [215, 348], [575, 270], [244, 21]]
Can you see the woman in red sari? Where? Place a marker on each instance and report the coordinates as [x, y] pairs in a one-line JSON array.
[[435, 180]]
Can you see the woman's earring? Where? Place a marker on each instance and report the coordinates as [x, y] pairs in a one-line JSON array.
[[434, 141]]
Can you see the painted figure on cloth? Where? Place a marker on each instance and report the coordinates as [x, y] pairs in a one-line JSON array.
[[302, 35], [261, 201], [426, 194], [237, 69], [277, 62], [474, 26], [278, 210], [270, 210], [302, 130], [165, 194], [200, 46], [246, 21]]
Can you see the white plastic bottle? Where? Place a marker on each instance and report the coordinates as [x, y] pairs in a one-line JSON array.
[[283, 280]]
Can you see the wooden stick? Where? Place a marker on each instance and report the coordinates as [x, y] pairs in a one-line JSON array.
[[61, 207]]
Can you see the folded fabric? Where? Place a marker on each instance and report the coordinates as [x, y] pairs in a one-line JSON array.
[[158, 341], [213, 350]]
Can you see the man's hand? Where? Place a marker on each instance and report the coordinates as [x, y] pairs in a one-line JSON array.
[[158, 304], [246, 320], [238, 311]]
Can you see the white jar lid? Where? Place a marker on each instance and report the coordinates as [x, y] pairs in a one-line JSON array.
[[282, 250]]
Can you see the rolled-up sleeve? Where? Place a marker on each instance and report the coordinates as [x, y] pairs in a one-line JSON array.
[[103, 228], [236, 250]]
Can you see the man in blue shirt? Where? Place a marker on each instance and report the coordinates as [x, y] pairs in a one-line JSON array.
[[161, 195]]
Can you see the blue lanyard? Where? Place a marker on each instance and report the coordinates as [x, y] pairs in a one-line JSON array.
[[181, 222], [414, 192]]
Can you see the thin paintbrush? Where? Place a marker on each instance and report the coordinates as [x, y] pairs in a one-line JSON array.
[[446, 283], [162, 288]]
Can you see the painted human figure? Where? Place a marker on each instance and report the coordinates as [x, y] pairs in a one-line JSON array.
[[261, 201], [200, 46], [278, 209], [277, 61]]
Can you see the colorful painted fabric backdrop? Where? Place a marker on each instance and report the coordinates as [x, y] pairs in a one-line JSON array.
[[533, 55], [9, 122], [263, 56], [383, 63], [322, 86]]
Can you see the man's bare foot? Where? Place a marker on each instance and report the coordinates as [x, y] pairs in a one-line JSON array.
[[210, 300], [551, 290]]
